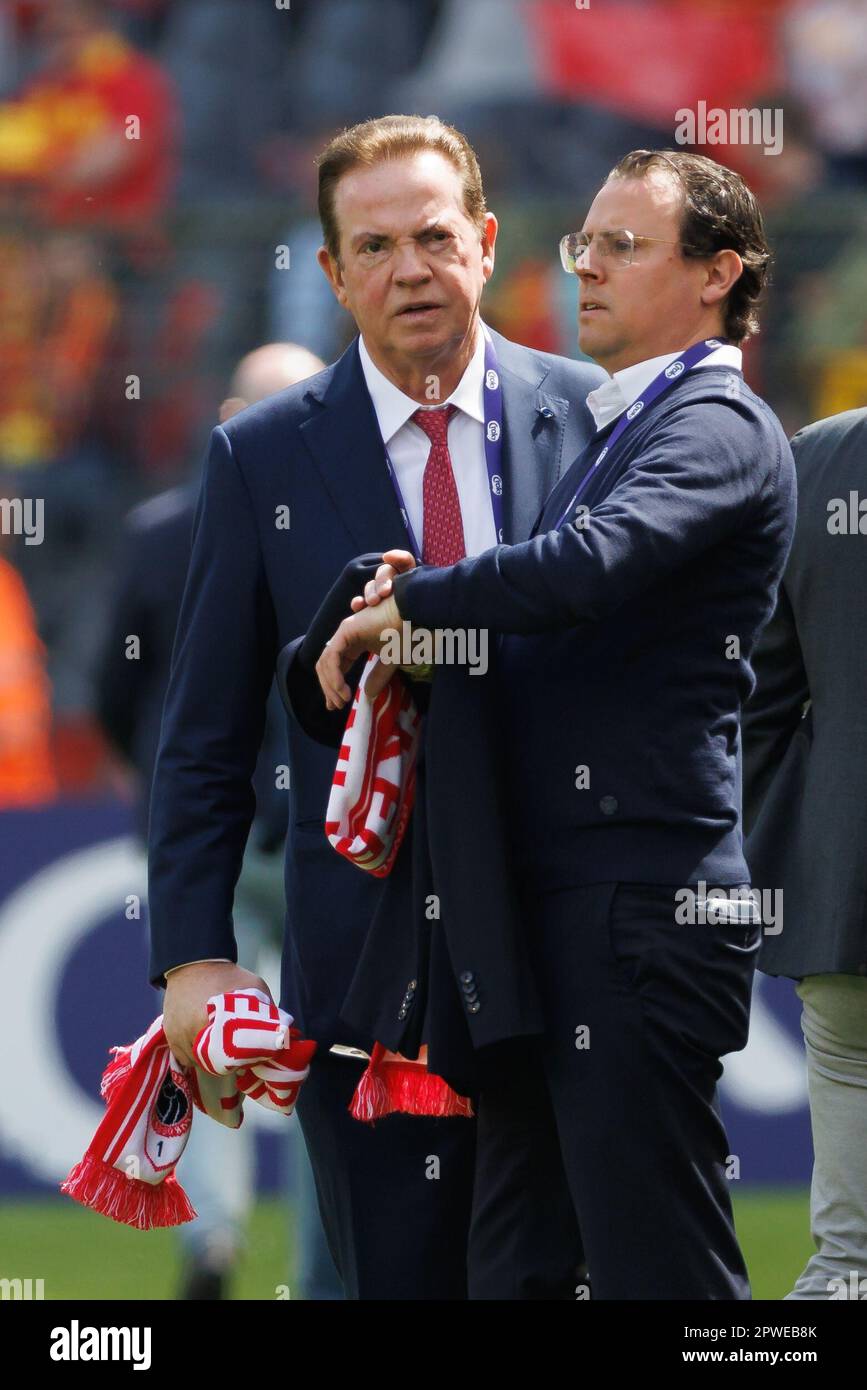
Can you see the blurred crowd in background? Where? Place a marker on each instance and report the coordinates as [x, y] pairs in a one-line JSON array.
[[135, 272]]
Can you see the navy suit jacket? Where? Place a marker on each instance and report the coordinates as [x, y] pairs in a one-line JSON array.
[[293, 489], [629, 636], [130, 694]]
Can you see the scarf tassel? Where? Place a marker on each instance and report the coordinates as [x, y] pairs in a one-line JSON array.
[[135, 1203], [108, 1190], [391, 1085], [116, 1072]]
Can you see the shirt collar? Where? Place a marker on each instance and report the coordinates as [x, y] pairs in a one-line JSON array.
[[611, 398], [393, 408]]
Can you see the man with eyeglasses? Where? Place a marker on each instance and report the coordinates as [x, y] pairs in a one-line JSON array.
[[629, 619]]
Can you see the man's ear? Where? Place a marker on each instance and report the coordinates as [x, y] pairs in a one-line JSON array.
[[232, 405], [333, 273], [489, 237], [723, 271]]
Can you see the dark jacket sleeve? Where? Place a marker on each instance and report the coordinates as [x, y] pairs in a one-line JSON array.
[[296, 665], [202, 799], [687, 492], [118, 681], [774, 710]]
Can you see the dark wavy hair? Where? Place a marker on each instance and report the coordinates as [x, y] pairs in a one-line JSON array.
[[720, 213]]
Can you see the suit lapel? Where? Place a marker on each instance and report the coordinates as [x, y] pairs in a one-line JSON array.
[[534, 425], [571, 481], [345, 443]]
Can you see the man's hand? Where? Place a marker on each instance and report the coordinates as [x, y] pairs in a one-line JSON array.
[[394, 562], [188, 990], [363, 632]]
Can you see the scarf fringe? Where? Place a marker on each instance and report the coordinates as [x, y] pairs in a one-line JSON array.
[[116, 1072], [129, 1200], [405, 1088]]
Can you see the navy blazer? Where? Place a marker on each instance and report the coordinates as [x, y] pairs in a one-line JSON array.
[[130, 694], [293, 489], [630, 635]]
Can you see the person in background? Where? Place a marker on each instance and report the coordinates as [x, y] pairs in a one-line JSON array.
[[218, 1163], [66, 145], [27, 774], [805, 817]]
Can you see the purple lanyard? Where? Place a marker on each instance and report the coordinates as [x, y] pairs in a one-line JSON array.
[[683, 363], [493, 409]]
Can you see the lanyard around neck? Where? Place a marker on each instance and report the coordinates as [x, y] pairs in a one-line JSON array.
[[688, 359]]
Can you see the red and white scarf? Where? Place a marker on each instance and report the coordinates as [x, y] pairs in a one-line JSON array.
[[372, 796], [247, 1048], [373, 790]]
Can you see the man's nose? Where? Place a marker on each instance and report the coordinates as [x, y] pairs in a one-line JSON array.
[[590, 267], [410, 265]]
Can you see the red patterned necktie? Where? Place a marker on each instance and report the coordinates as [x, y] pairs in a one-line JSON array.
[[443, 539]]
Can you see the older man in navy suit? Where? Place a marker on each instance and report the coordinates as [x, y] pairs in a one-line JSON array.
[[430, 433]]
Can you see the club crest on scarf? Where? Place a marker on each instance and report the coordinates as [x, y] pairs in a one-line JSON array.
[[248, 1049], [172, 1111]]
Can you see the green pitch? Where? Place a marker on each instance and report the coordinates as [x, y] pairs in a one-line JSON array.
[[83, 1256]]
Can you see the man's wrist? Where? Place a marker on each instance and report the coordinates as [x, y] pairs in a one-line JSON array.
[[389, 612], [209, 960]]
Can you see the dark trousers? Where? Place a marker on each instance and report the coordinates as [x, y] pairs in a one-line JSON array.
[[395, 1197], [604, 1140]]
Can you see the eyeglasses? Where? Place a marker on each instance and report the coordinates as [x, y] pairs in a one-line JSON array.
[[616, 248]]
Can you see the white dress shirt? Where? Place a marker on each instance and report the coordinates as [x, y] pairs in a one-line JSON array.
[[611, 398], [409, 447]]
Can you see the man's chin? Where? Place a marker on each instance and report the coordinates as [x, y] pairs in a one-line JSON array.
[[589, 338], [594, 343], [432, 324], [427, 336]]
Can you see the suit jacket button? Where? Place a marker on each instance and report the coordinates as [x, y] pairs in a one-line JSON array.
[[608, 805], [412, 986], [466, 977], [402, 1012], [474, 1008]]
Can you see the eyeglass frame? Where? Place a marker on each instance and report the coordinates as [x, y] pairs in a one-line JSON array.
[[623, 265]]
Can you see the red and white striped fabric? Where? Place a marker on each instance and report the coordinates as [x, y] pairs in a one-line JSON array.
[[245, 1039], [373, 790], [371, 800], [396, 1085], [247, 1048]]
